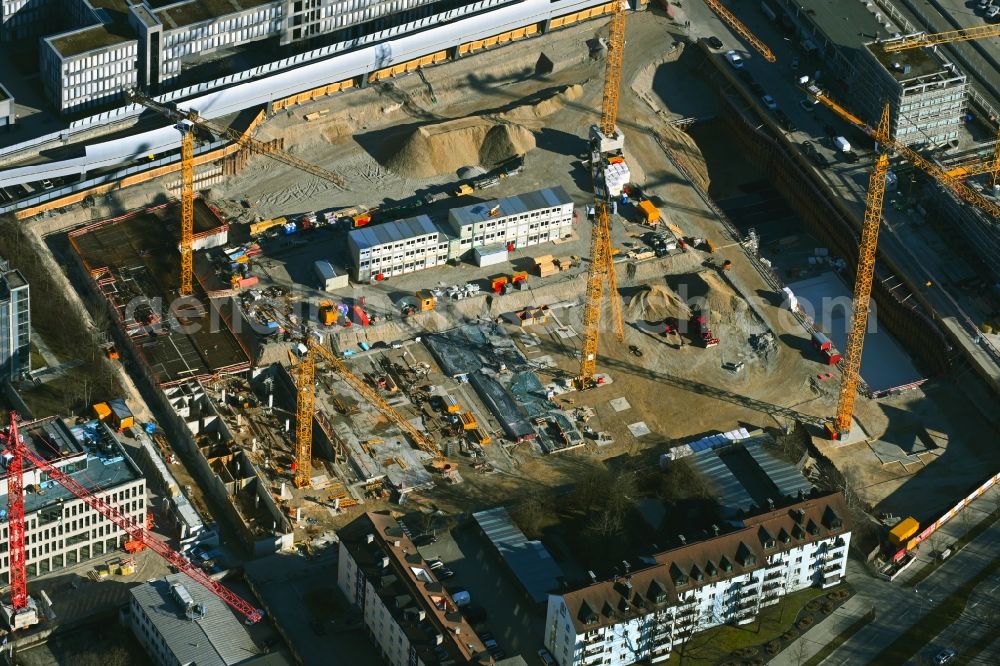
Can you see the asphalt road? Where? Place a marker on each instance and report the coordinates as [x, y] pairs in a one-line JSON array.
[[898, 608], [921, 258]]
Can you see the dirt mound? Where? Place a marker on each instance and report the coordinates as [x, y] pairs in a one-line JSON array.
[[443, 148], [543, 108], [684, 149], [656, 304], [708, 293]]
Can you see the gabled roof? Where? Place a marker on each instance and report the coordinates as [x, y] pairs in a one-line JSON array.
[[719, 558]]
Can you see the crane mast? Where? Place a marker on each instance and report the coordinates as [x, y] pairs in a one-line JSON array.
[[305, 399], [187, 209], [135, 530], [863, 282], [606, 139], [15, 522]]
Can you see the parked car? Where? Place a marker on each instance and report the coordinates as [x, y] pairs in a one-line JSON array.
[[756, 88], [784, 120], [444, 573], [769, 102], [435, 563], [734, 59], [714, 42], [47, 184], [945, 656], [993, 12], [475, 614], [546, 657]]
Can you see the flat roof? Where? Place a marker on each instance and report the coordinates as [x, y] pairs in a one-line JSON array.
[[106, 464], [549, 197], [848, 24], [196, 11], [4, 93], [217, 638], [392, 232], [531, 563], [88, 39], [911, 63]]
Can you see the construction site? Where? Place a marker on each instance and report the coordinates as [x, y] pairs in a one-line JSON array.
[[701, 282]]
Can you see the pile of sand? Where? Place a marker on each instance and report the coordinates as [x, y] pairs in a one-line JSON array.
[[708, 293], [656, 304], [443, 148], [543, 108]]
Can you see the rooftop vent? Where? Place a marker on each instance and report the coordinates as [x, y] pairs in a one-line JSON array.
[[191, 609], [369, 538]]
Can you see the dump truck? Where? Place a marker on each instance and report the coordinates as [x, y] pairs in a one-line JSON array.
[[463, 190], [327, 313]]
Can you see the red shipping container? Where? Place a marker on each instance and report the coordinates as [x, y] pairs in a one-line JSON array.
[[247, 282], [360, 315], [831, 356]]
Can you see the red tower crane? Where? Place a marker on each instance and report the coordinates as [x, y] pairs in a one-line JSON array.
[[136, 530]]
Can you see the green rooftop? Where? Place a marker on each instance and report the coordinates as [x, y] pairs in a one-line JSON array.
[[89, 39], [197, 11]]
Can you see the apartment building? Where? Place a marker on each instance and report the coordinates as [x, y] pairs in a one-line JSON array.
[[517, 221], [927, 93], [408, 614], [177, 621], [60, 529], [396, 248], [15, 323], [644, 615]]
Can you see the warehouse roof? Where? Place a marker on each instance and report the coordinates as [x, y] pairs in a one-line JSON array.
[[216, 638], [550, 197], [530, 562], [392, 232]]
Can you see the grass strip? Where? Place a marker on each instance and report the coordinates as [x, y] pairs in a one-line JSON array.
[[959, 544], [841, 638], [911, 641]]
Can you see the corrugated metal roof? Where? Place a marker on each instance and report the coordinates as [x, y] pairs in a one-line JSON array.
[[531, 563], [514, 205], [217, 639], [391, 232], [731, 493], [785, 476]]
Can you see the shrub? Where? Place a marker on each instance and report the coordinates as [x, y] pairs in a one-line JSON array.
[[805, 622], [773, 647], [828, 607]]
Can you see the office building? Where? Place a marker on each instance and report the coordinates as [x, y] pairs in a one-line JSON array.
[[93, 51], [394, 248], [15, 323], [644, 615], [178, 621], [926, 92], [407, 613], [60, 529]]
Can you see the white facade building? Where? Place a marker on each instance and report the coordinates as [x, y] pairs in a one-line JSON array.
[[518, 221], [396, 248], [725, 579], [408, 614], [178, 621], [380, 251], [62, 530]]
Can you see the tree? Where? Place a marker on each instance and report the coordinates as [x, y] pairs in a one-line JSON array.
[[620, 497], [530, 512]]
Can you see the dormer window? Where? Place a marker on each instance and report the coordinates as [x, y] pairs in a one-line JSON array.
[[725, 564], [711, 569], [783, 536], [812, 528], [745, 556], [696, 573]]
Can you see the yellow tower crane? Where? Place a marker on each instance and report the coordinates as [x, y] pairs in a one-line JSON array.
[[933, 39], [601, 274], [187, 209], [863, 283], [741, 29], [187, 122], [935, 171], [989, 165]]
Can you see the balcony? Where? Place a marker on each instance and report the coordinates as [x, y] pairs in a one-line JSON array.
[[747, 592], [774, 574], [831, 568], [771, 588], [746, 603], [593, 647]]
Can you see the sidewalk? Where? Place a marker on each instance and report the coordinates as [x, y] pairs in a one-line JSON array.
[[897, 608]]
